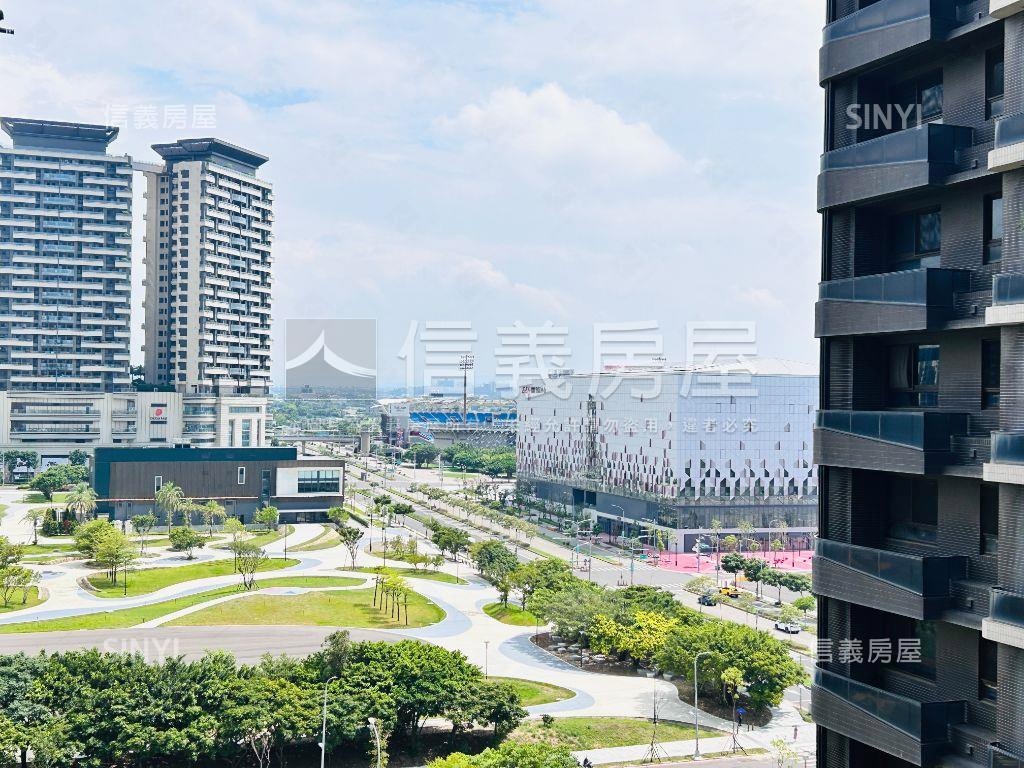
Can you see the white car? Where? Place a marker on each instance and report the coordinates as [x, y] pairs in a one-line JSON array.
[[787, 627]]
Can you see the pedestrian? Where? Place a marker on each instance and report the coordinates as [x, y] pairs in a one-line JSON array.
[[795, 729]]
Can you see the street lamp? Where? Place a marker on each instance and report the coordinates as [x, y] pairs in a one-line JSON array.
[[487, 647], [376, 736], [323, 733], [696, 712], [631, 552], [466, 363]]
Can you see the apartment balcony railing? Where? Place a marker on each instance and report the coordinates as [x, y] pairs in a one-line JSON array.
[[906, 160], [881, 31], [1006, 464], [906, 585], [915, 442], [1007, 153], [1005, 621], [906, 728], [1007, 300], [912, 300]]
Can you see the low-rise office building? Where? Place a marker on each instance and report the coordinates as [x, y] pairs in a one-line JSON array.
[[242, 480]]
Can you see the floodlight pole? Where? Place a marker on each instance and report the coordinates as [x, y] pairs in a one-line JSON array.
[[466, 363]]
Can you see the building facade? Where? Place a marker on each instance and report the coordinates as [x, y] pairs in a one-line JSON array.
[[919, 439], [65, 259], [208, 235], [242, 480], [675, 449]]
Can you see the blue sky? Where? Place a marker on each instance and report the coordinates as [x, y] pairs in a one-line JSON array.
[[557, 160]]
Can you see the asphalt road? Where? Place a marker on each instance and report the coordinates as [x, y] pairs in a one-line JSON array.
[[248, 644]]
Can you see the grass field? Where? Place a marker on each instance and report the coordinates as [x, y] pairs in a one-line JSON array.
[[148, 580], [50, 549], [326, 539], [311, 581], [533, 693], [412, 573], [16, 604], [262, 539], [510, 614], [577, 733], [35, 497], [351, 608]]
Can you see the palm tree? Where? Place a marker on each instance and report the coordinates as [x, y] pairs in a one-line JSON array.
[[746, 528], [213, 514], [35, 516], [171, 499], [81, 501]]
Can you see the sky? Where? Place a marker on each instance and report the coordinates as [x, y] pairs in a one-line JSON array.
[[569, 162]]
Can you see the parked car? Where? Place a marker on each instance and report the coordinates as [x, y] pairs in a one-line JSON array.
[[729, 592], [707, 599], [788, 627]]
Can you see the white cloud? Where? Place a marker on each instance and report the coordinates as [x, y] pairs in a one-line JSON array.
[[553, 129]]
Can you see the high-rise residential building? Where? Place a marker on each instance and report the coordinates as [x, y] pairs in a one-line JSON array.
[[673, 449], [208, 235], [920, 440], [65, 259]]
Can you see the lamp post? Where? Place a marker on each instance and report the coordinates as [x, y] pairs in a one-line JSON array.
[[487, 648], [696, 712], [323, 732], [466, 363], [376, 736], [631, 553]]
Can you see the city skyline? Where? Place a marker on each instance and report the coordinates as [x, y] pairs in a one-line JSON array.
[[440, 180]]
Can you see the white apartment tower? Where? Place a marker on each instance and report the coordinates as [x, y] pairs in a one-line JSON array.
[[65, 260], [208, 235]]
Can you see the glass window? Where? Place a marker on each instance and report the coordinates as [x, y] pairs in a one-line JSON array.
[[158, 483], [241, 475], [914, 375], [988, 669], [930, 90], [924, 631], [990, 362], [994, 83], [913, 512], [319, 481], [989, 519], [993, 229], [915, 239], [246, 433]]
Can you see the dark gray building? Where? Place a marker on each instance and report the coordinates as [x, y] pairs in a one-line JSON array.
[[241, 479], [920, 439]]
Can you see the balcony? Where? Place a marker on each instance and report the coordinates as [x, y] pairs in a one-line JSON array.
[[1006, 464], [908, 729], [1007, 300], [1001, 9], [903, 161], [913, 300], [912, 442], [881, 31], [917, 587], [1005, 621], [1007, 153]]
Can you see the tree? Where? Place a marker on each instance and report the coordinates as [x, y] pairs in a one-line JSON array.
[[78, 457], [81, 501], [18, 458], [500, 464], [14, 578], [268, 517], [773, 578], [350, 537], [170, 499], [249, 558], [788, 614], [805, 603], [733, 563], [235, 528], [512, 754], [422, 453], [783, 754], [448, 539], [213, 514], [88, 536], [754, 570], [797, 582], [338, 515], [495, 561], [142, 525], [58, 477], [116, 553], [35, 515], [186, 540]]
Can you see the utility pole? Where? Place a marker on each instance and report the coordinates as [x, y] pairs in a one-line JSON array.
[[466, 363]]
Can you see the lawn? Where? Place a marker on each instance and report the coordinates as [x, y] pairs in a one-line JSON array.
[[351, 608], [577, 733], [412, 573], [311, 581], [262, 539], [17, 605], [147, 580], [35, 497], [326, 539], [49, 549], [127, 617], [511, 614], [533, 693]]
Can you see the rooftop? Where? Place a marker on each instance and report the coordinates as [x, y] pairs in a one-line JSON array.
[[211, 149], [54, 134]]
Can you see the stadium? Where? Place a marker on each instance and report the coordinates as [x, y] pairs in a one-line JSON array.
[[440, 421]]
